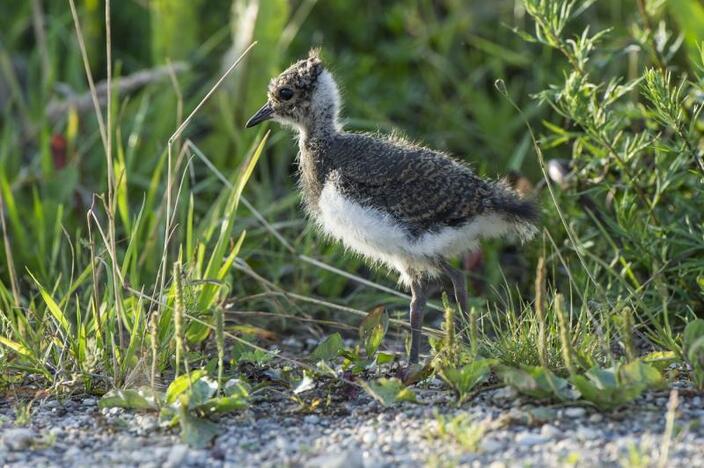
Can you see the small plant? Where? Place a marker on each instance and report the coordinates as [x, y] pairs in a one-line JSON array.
[[458, 366], [189, 401], [464, 379], [328, 349], [461, 430], [616, 386], [23, 413], [536, 382], [373, 329], [389, 391]]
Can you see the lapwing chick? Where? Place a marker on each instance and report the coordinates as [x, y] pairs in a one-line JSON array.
[[398, 204]]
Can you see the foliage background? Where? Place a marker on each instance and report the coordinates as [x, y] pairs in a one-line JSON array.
[[426, 68]]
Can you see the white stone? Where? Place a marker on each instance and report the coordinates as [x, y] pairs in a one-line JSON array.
[[490, 444], [505, 393], [368, 437], [18, 439], [528, 439], [575, 412], [587, 433], [177, 456], [550, 431]]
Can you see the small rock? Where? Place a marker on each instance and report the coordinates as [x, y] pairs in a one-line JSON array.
[[18, 439], [596, 418], [176, 456], [490, 444], [550, 431], [346, 459], [586, 433], [90, 402], [575, 412], [505, 393], [311, 419], [368, 438], [72, 453], [528, 439]]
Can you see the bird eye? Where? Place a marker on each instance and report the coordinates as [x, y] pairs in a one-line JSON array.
[[285, 94]]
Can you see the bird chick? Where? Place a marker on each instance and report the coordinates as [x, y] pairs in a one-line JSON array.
[[398, 204]]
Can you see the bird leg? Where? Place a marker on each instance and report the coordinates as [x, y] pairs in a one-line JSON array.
[[459, 284], [419, 295]]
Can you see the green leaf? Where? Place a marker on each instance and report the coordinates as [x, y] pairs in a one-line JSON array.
[[389, 391], [660, 359], [689, 15], [384, 358], [373, 329], [693, 331], [328, 349], [536, 382], [138, 399], [640, 373], [54, 308], [19, 348], [463, 380], [224, 404], [196, 432], [200, 392], [613, 387], [174, 29], [181, 385]]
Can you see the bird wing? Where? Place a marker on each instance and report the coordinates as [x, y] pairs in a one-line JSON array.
[[423, 189]]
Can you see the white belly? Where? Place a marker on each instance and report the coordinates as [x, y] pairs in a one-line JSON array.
[[378, 237]]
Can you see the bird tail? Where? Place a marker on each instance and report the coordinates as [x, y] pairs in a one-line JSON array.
[[522, 213]]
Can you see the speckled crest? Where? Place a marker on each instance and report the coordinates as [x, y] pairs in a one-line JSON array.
[[301, 78]]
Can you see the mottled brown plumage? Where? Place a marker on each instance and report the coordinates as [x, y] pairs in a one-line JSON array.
[[394, 202]]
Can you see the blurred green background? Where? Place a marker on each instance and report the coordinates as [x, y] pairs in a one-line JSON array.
[[425, 68]]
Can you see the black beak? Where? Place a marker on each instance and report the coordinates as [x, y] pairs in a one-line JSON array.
[[260, 116]]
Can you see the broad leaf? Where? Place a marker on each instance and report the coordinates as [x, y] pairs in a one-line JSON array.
[[536, 382], [137, 399], [389, 391], [693, 331], [372, 330], [328, 349], [462, 380], [200, 392], [181, 384], [196, 432]]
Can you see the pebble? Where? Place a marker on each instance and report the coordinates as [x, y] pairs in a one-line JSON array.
[[528, 439], [177, 456], [490, 444], [311, 419], [550, 431], [575, 412], [505, 393], [587, 433], [18, 439], [345, 459]]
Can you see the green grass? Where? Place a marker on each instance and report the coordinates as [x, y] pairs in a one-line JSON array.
[[147, 234]]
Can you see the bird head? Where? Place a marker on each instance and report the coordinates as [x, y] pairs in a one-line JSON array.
[[304, 95]]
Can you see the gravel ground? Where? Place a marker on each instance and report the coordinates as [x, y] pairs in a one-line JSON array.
[[361, 433]]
